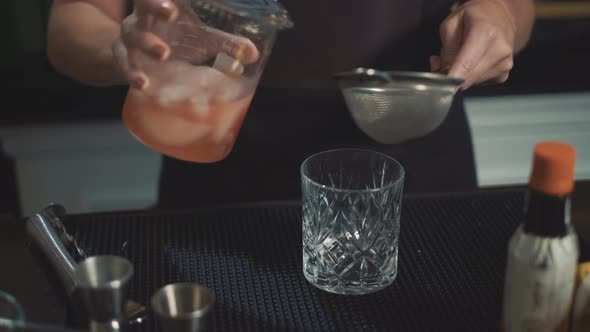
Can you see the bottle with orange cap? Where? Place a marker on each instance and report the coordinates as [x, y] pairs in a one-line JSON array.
[[543, 252]]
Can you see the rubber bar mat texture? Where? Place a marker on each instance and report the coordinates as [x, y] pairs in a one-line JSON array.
[[451, 264]]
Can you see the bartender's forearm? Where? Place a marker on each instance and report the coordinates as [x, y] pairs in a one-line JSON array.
[[79, 43]]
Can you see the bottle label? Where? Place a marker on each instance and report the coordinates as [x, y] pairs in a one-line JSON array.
[[581, 309], [540, 276]]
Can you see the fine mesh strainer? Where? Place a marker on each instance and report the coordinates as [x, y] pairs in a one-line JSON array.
[[394, 106]]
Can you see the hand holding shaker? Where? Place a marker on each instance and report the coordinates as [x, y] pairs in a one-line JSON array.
[[543, 252], [193, 104]]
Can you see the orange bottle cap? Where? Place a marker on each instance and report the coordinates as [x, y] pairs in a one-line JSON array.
[[553, 168]]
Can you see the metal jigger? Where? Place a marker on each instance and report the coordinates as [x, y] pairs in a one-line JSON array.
[[183, 307], [102, 282]]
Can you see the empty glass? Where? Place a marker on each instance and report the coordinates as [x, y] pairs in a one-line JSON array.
[[351, 220]]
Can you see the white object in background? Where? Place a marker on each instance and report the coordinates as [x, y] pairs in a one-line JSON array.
[[506, 128], [85, 166]]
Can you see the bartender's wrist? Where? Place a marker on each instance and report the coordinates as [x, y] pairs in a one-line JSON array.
[[117, 72], [107, 69], [521, 14]]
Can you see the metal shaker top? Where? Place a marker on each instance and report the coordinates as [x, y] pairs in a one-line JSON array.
[[267, 13]]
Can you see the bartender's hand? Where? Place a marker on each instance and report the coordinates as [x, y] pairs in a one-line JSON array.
[[478, 42], [136, 39]]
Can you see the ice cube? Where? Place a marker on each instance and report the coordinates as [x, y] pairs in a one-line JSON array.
[[169, 129], [232, 89], [228, 65], [188, 90], [172, 72], [199, 106], [173, 94], [230, 114], [202, 77]]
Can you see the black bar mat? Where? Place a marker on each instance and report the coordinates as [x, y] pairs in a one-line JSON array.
[[451, 264]]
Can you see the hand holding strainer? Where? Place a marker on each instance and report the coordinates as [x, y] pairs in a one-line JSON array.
[[395, 106]]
